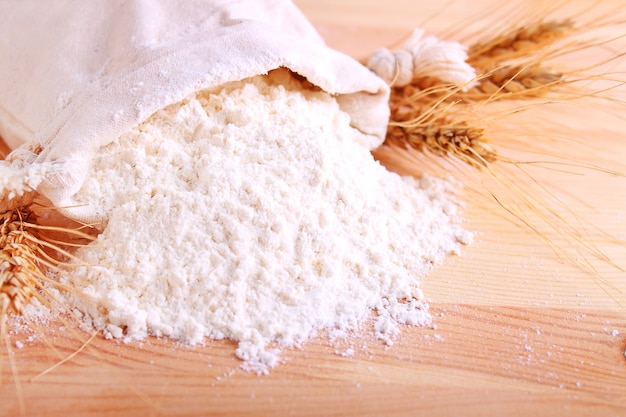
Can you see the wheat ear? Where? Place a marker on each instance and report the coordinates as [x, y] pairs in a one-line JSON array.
[[20, 271], [521, 42], [509, 67]]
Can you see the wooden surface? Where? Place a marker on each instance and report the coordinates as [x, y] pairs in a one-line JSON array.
[[517, 331]]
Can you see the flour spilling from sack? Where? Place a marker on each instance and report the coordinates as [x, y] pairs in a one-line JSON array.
[[256, 213]]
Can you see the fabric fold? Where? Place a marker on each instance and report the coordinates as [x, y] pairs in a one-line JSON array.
[[76, 75]]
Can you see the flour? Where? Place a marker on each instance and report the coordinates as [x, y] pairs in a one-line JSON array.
[[256, 213]]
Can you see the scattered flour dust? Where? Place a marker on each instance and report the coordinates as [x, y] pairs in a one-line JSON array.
[[256, 213]]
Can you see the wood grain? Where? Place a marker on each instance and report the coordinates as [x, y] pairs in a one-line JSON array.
[[518, 331], [478, 361]]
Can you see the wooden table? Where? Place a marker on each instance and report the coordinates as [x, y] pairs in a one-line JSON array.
[[517, 331]]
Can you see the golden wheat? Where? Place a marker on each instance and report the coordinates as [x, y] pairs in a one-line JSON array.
[[17, 271], [20, 261], [443, 139], [514, 83], [425, 125], [27, 249], [522, 42], [420, 112], [19, 266], [425, 116]]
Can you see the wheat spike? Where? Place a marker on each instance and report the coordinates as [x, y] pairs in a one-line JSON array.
[[424, 117], [518, 43], [444, 138], [419, 111], [27, 249], [23, 256], [514, 83], [19, 265]]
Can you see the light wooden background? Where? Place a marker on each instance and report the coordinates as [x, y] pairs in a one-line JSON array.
[[517, 332]]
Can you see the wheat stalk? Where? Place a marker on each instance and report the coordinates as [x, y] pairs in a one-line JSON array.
[[26, 251], [425, 116], [443, 139], [421, 118], [19, 269], [511, 68], [424, 125], [20, 262], [514, 82], [511, 63], [521, 42]]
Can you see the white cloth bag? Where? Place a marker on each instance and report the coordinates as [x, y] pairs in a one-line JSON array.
[[75, 75]]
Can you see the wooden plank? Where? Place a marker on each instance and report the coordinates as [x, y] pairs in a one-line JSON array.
[[477, 361]]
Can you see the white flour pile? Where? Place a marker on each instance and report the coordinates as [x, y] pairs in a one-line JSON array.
[[256, 213]]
